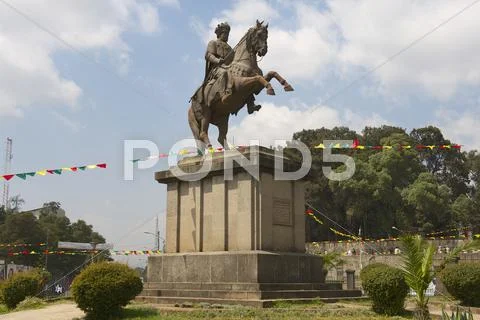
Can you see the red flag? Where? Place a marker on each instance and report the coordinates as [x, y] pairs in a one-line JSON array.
[[74, 168], [102, 165], [50, 171], [355, 143], [8, 176]]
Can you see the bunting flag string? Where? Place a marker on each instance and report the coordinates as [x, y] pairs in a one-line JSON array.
[[309, 212], [356, 145], [16, 245], [84, 252], [135, 252], [45, 172], [183, 152], [429, 236]]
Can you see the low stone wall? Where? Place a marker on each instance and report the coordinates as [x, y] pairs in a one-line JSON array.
[[374, 247], [367, 253]]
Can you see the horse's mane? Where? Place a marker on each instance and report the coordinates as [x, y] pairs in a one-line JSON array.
[[247, 37]]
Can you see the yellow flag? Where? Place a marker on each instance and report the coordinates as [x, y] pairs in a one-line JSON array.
[[387, 147], [66, 169], [320, 146], [91, 166], [360, 147], [337, 146], [42, 172], [430, 147]]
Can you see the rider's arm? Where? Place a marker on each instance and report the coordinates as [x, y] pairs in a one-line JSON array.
[[210, 55]]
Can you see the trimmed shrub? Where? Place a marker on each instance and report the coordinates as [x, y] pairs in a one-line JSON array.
[[102, 289], [386, 287], [463, 282], [364, 272], [22, 285], [2, 285]]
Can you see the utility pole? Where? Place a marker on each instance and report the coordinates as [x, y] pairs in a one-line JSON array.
[[157, 234], [7, 167], [46, 252]]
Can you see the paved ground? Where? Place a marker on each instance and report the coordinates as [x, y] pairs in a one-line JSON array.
[[64, 311]]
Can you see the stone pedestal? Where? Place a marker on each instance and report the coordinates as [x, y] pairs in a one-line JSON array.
[[238, 240], [215, 214]]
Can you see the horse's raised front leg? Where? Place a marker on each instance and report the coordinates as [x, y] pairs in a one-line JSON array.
[[283, 82], [264, 82]]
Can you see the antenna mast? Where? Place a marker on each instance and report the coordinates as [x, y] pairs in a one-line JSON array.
[[7, 167]]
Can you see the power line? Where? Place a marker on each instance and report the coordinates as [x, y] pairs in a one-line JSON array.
[[390, 58], [81, 53]]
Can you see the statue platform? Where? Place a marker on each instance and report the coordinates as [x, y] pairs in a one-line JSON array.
[[238, 241]]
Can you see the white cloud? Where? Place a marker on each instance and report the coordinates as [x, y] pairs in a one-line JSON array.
[[372, 31], [74, 126], [29, 75], [461, 127], [352, 36], [274, 122]]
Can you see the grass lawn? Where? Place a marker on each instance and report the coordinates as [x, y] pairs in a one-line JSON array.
[[282, 311]]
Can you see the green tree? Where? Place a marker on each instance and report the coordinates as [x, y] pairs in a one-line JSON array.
[[465, 212], [428, 203], [449, 166], [22, 228]]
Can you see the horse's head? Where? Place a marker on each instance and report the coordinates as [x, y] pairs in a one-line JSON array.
[[257, 39]]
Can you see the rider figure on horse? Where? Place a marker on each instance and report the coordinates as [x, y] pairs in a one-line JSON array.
[[218, 56]]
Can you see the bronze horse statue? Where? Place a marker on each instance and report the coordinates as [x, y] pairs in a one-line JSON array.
[[208, 105]]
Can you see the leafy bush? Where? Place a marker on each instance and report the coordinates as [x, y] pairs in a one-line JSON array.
[[30, 303], [2, 285], [386, 287], [464, 315], [22, 285], [367, 269], [102, 289], [463, 282]]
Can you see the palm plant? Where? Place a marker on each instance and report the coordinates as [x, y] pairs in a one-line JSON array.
[[465, 246], [464, 315], [331, 260], [417, 257]]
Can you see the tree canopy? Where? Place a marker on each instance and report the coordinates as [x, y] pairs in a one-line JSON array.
[[18, 227], [412, 190]]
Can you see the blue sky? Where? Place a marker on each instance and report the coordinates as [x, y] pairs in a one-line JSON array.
[[145, 59]]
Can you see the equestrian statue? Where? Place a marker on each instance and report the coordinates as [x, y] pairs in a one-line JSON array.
[[232, 77]]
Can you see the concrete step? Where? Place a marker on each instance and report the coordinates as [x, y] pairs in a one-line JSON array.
[[250, 303], [250, 294], [241, 286]]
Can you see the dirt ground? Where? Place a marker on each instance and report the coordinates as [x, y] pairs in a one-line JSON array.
[[64, 311]]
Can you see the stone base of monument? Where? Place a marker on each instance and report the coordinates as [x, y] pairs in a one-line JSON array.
[[235, 234], [252, 278]]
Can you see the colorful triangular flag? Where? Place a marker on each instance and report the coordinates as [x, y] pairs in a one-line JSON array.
[[22, 176]]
